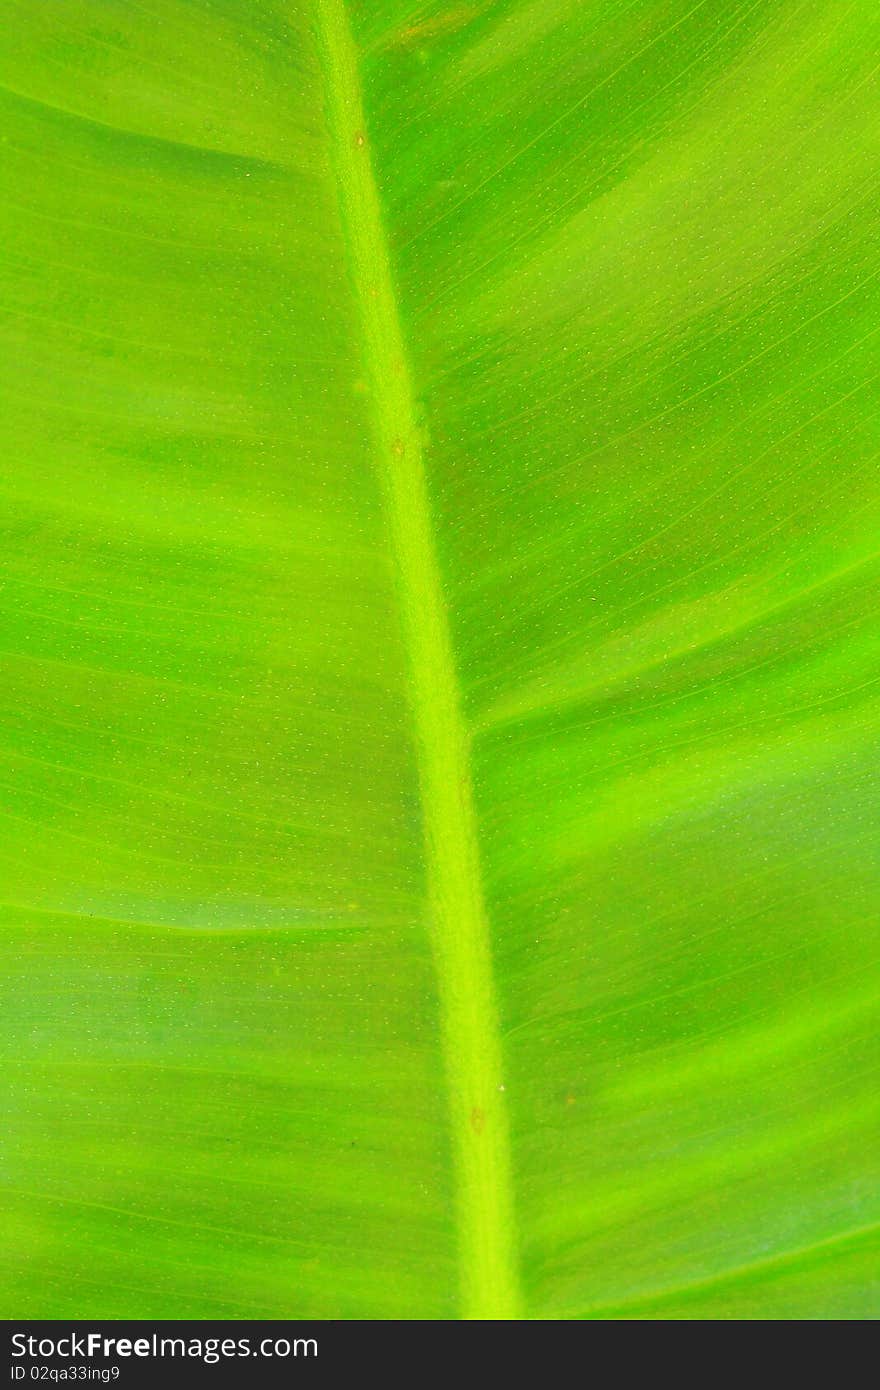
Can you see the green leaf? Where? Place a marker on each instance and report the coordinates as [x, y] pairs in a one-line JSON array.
[[440, 662]]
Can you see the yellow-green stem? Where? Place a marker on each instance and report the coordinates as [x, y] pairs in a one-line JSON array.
[[489, 1284]]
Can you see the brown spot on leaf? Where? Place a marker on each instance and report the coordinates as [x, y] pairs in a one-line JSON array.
[[478, 1120], [437, 27]]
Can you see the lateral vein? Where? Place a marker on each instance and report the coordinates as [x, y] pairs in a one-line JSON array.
[[460, 931]]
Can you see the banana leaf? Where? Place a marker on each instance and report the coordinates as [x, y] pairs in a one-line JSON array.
[[440, 663]]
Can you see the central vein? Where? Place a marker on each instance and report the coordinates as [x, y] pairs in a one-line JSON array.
[[489, 1286]]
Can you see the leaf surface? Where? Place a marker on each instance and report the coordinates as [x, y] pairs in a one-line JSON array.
[[438, 713]]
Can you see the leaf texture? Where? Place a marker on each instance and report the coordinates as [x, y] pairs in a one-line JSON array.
[[438, 711]]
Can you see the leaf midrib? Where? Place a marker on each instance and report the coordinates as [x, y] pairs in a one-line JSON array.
[[460, 931]]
